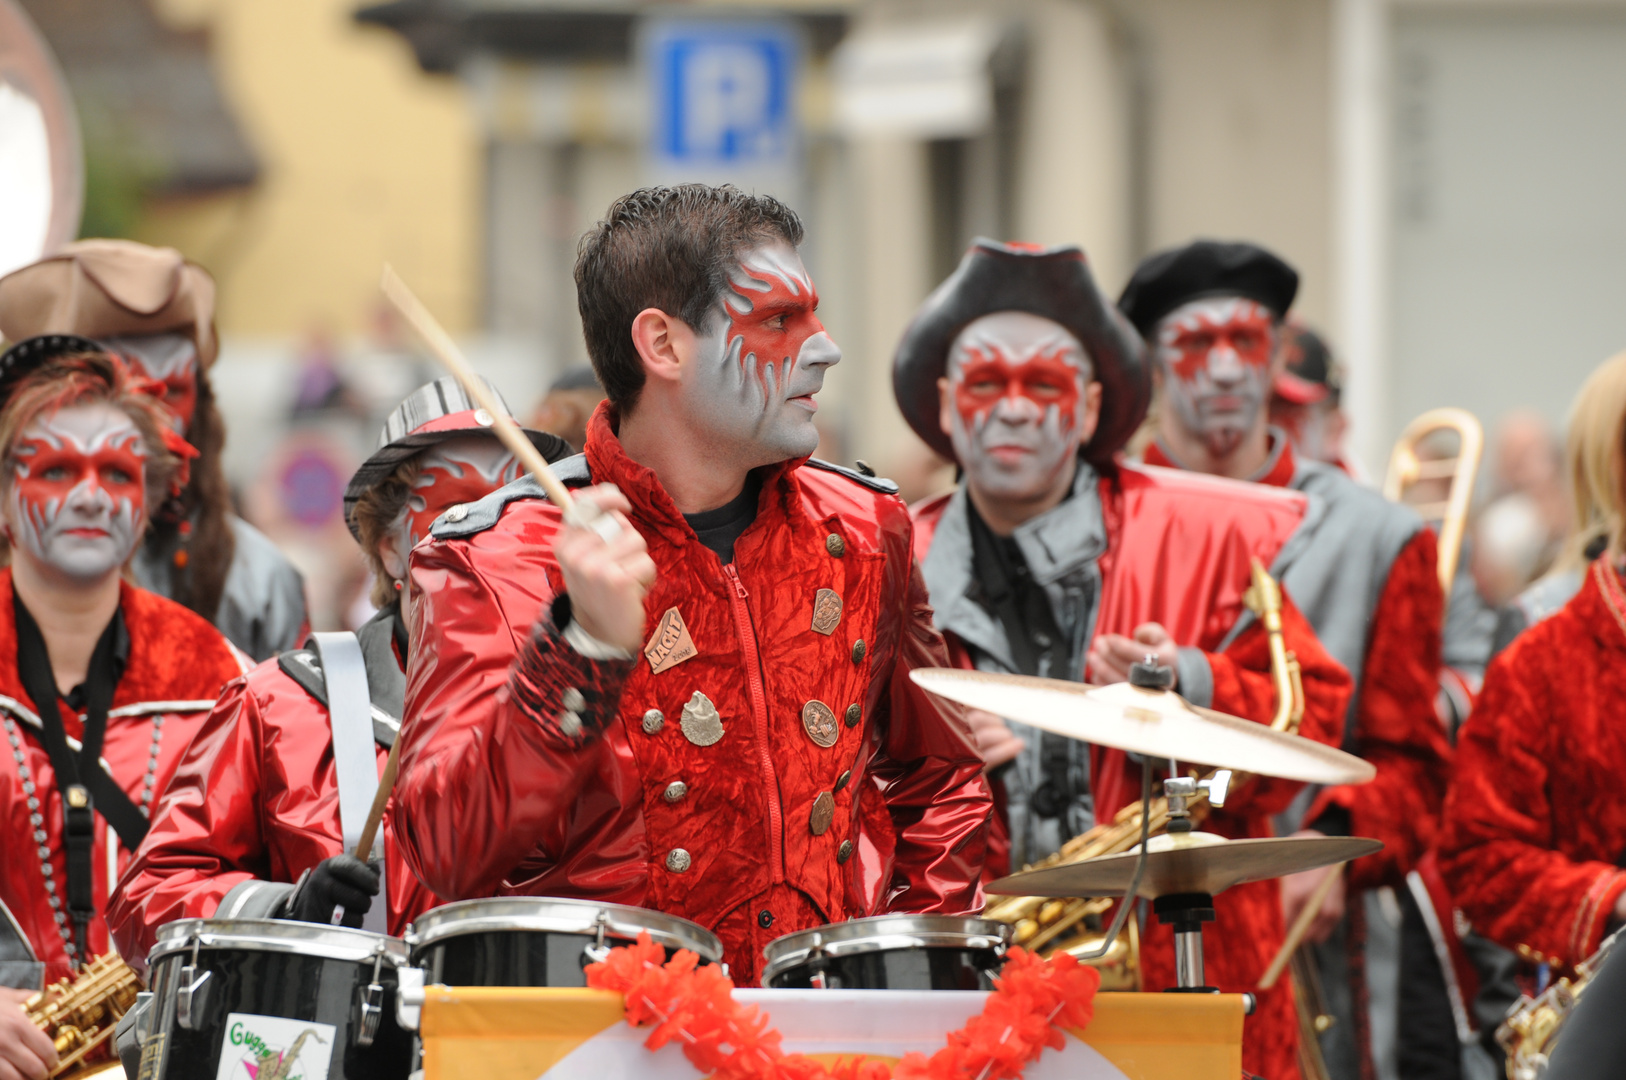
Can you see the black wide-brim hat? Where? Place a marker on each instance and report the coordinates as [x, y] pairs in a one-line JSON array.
[[1053, 283], [434, 413], [1171, 279]]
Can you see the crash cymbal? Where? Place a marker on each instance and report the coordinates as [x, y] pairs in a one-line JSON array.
[[1191, 863], [1157, 723]]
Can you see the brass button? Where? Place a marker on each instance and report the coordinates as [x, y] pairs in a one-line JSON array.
[[841, 781], [835, 545], [675, 791], [677, 860], [654, 720], [824, 812], [844, 852], [855, 713], [858, 651]]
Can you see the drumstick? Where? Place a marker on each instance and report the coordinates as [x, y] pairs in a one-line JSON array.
[[386, 784], [451, 358], [1301, 926]]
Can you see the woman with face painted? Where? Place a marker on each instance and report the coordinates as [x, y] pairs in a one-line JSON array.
[[1364, 572], [262, 817], [156, 311], [691, 713], [101, 683]]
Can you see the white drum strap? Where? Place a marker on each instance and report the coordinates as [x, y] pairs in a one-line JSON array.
[[350, 712]]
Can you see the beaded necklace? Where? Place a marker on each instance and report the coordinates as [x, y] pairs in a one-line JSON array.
[[36, 818]]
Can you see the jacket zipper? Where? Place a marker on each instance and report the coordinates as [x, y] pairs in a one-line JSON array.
[[759, 707]]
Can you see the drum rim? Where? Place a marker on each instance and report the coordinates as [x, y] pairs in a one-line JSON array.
[[884, 933], [547, 914], [278, 936]]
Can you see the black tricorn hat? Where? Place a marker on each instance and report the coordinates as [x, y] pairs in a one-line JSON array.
[[1054, 283], [1172, 278]]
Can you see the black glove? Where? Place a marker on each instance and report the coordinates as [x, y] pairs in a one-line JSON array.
[[343, 879]]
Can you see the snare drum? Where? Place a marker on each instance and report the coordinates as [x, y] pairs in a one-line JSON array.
[[540, 941], [890, 952], [241, 998]]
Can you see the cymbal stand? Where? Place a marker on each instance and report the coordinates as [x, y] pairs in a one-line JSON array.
[[1186, 912]]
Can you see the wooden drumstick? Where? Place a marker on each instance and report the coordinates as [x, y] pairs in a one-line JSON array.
[[1301, 926], [381, 798], [451, 358]]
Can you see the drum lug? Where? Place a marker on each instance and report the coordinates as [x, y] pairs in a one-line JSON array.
[[370, 998], [409, 983], [189, 997], [819, 964], [597, 952]]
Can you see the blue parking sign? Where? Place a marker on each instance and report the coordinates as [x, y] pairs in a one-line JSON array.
[[723, 94]]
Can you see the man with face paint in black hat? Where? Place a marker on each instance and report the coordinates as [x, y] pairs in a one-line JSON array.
[[1054, 559], [1363, 570]]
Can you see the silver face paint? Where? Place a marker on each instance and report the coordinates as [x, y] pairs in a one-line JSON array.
[[89, 529], [1015, 443], [1219, 389], [753, 390]]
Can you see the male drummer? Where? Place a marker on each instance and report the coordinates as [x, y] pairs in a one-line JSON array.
[[686, 712], [1364, 573], [1053, 559]]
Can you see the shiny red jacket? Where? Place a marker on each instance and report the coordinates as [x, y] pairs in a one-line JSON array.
[[1178, 551], [254, 800], [527, 768], [1534, 825], [177, 665]]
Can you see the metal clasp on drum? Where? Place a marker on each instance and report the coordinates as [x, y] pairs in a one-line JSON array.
[[370, 999], [189, 997], [597, 952], [817, 962]]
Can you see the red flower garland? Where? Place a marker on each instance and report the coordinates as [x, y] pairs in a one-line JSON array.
[[1033, 1002]]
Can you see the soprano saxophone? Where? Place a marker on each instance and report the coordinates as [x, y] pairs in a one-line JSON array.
[[1051, 926], [79, 1014]]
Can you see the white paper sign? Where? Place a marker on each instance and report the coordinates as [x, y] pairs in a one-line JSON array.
[[275, 1048]]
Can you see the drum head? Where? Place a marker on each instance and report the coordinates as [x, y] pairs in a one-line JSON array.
[[890, 952]]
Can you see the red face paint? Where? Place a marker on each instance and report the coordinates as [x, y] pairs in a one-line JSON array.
[[988, 374], [170, 359], [1242, 327], [782, 317], [458, 470]]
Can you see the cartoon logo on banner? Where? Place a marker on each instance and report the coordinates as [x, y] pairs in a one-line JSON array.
[[275, 1048]]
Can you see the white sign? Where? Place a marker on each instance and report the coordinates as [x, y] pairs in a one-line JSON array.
[[275, 1048]]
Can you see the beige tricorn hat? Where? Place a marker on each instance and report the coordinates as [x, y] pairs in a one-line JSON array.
[[111, 288]]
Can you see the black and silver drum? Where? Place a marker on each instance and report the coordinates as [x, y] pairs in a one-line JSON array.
[[540, 941], [890, 952], [240, 999]]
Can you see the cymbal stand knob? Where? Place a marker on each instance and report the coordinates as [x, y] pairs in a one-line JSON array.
[[1186, 913], [1179, 790], [1149, 674]]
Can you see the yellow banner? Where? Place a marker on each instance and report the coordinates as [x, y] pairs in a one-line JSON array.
[[481, 1033]]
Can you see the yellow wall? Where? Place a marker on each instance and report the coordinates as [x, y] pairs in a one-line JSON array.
[[363, 159]]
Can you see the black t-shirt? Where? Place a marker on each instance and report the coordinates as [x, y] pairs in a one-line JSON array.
[[719, 528], [1005, 587]]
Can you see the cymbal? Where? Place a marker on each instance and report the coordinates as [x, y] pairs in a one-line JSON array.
[[1195, 863], [1157, 723]]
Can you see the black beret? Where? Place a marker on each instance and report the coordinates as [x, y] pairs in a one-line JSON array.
[[1165, 281], [1054, 283]]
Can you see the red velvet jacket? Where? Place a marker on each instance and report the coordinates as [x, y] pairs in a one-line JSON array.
[[527, 768], [1395, 726], [255, 798], [1535, 826], [1178, 551], [177, 665]]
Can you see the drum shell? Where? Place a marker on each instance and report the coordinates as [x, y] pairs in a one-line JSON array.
[[896, 952], [538, 941], [279, 981]]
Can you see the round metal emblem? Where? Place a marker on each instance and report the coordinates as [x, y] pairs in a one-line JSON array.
[[824, 812], [677, 860], [819, 721], [654, 720], [835, 545], [675, 791], [701, 724]]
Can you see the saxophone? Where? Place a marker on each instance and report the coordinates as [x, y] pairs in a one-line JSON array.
[[1073, 926], [1533, 1024], [79, 1015]]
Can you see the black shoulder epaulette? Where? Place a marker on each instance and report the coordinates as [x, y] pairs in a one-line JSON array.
[[466, 519], [874, 483], [304, 667]]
